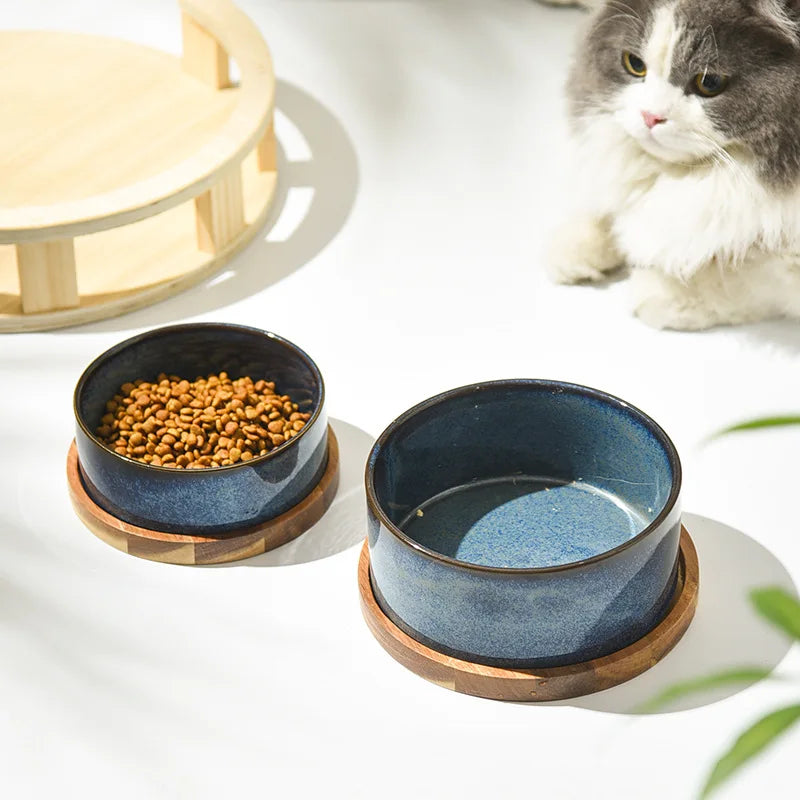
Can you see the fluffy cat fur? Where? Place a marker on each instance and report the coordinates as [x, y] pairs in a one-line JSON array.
[[705, 207]]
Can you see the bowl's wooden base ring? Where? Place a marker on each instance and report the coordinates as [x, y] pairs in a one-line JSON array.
[[556, 683], [197, 550]]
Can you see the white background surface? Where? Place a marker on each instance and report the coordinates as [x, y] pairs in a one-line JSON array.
[[422, 143]]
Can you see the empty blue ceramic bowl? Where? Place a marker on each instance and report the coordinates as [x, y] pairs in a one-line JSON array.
[[210, 501], [524, 523]]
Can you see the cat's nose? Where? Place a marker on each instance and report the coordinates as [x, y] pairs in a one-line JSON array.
[[651, 120]]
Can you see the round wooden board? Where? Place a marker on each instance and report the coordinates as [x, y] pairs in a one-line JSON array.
[[199, 550], [153, 260], [129, 174], [536, 685]]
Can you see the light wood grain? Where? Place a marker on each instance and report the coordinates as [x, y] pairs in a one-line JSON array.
[[268, 151], [94, 116], [536, 685], [130, 267], [203, 56], [175, 548], [120, 73], [47, 276], [220, 212], [110, 136]]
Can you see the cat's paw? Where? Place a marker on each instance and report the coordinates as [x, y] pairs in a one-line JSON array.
[[662, 301], [582, 251]]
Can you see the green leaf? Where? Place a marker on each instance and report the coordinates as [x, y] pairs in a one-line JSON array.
[[756, 424], [779, 607], [750, 744], [718, 679]]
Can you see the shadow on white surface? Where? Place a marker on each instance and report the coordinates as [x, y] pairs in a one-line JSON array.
[[725, 633], [779, 335], [344, 523], [317, 187]]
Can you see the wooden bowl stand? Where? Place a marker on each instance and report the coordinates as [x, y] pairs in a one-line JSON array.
[[175, 548], [536, 685], [129, 174]]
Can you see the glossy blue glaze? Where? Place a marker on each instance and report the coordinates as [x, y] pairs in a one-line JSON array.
[[524, 523], [206, 502]]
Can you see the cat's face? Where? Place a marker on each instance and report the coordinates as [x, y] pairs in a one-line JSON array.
[[687, 78]]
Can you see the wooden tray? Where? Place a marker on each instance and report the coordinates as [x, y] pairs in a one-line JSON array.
[[128, 174], [197, 550], [537, 685]]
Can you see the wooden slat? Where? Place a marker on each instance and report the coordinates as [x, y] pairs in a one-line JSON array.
[[267, 151], [152, 259], [220, 212], [203, 56], [47, 276]]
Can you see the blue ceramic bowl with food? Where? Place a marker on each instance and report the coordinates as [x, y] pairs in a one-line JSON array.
[[524, 523], [202, 501]]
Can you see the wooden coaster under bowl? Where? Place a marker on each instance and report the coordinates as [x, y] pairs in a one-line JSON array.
[[536, 685], [174, 548]]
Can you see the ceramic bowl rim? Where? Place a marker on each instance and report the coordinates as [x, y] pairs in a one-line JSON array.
[[541, 384], [107, 355]]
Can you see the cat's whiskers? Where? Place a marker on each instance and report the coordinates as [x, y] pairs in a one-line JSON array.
[[627, 18], [710, 29], [720, 155], [724, 158], [625, 13], [625, 8]]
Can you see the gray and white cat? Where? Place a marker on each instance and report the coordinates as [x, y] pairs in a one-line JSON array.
[[686, 123]]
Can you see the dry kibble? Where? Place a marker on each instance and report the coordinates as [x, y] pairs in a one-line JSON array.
[[202, 424]]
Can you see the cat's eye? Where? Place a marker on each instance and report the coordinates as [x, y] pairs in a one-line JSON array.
[[634, 64], [709, 84]]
